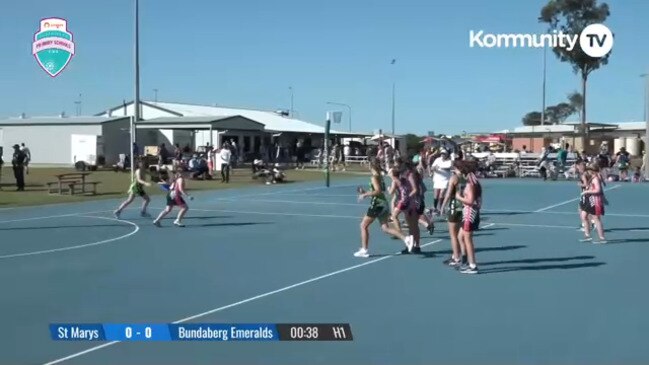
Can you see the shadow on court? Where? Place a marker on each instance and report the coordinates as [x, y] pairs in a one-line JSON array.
[[626, 240], [199, 218], [61, 227], [541, 267], [539, 260], [233, 224], [627, 229], [486, 214], [432, 254]]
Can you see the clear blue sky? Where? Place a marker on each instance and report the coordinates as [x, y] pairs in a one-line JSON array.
[[248, 52]]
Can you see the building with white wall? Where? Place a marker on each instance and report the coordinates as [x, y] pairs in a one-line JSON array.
[[183, 117], [49, 139]]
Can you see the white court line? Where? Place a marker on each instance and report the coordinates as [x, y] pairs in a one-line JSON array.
[[277, 213], [323, 195], [52, 216], [256, 297], [569, 201], [605, 215], [293, 202], [360, 217], [69, 248], [358, 204], [535, 225], [107, 211]]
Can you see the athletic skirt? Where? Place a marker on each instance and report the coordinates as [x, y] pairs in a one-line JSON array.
[[470, 219], [174, 199], [592, 204]]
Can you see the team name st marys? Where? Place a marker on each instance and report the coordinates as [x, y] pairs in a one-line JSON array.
[[76, 333]]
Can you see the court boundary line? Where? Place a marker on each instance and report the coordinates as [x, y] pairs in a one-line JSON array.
[[251, 299], [77, 247], [540, 210], [571, 200], [111, 210], [202, 191]]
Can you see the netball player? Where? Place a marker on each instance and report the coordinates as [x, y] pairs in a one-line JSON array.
[[592, 204], [175, 198], [441, 173], [378, 209], [136, 189], [423, 219], [471, 199], [453, 208]]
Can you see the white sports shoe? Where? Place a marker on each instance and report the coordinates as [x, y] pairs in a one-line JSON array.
[[362, 253], [410, 242]]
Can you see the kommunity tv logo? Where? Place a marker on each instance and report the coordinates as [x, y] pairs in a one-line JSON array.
[[596, 40]]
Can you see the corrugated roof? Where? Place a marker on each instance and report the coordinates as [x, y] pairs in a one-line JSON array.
[[545, 128], [58, 120], [271, 120], [570, 127], [186, 119], [632, 126]]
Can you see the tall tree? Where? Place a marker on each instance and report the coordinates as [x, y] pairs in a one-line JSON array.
[[532, 118], [558, 114], [572, 17], [577, 101]]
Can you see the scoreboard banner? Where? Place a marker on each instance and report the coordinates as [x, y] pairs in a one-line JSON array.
[[202, 332]]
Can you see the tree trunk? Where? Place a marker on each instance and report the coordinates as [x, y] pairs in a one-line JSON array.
[[584, 135]]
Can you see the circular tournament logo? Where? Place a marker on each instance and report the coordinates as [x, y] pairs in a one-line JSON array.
[[596, 40]]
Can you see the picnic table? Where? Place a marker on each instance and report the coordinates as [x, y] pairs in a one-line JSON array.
[[70, 181]]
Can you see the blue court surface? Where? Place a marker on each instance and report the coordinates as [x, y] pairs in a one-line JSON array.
[[283, 254]]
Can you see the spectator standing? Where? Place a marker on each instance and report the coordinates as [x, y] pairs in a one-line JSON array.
[[178, 156], [163, 155], [300, 154], [28, 156], [136, 150], [225, 157], [1, 164], [18, 162], [234, 153]]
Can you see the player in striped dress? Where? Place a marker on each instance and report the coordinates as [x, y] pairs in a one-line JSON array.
[[592, 204], [471, 198], [136, 189], [378, 209], [175, 198]]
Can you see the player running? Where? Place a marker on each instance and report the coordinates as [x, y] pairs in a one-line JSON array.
[[378, 209], [453, 208], [137, 189], [175, 197]]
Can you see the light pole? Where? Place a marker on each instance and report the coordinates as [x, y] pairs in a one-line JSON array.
[[155, 93], [348, 107], [393, 95], [136, 100], [645, 160], [292, 94], [78, 106], [545, 49]]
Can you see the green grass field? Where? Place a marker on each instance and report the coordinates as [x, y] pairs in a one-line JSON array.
[[115, 184]]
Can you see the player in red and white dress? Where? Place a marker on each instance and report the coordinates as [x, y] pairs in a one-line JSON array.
[[592, 204]]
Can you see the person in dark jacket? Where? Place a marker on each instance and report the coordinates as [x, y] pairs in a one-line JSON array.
[[18, 163]]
